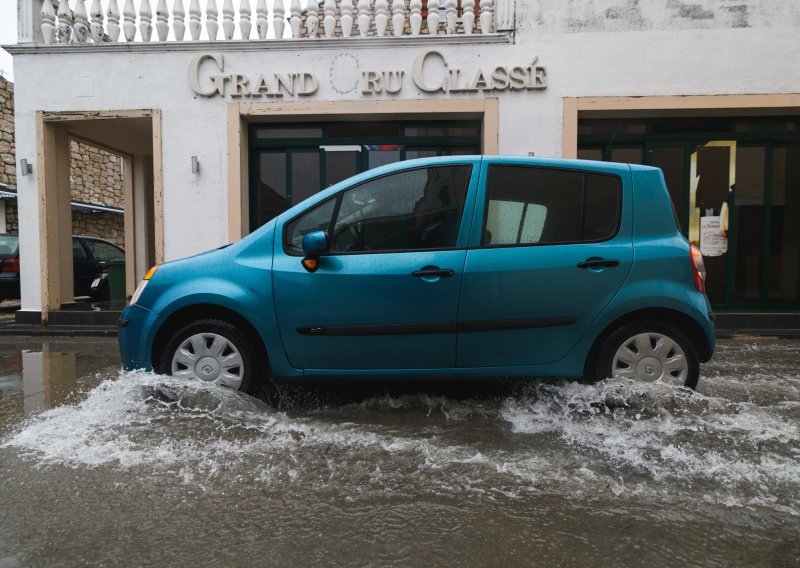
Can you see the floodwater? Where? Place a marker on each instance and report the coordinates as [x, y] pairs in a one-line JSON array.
[[107, 468]]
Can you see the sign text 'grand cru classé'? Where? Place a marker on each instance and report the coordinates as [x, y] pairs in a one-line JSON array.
[[430, 73]]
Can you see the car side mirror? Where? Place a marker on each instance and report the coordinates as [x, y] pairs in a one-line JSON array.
[[315, 244]]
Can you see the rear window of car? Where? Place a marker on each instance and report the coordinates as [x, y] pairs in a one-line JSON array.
[[9, 244], [545, 206]]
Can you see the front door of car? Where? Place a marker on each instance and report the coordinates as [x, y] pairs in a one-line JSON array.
[[550, 248], [386, 294]]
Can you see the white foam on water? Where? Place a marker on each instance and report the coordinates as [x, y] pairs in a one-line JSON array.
[[670, 435], [614, 437]]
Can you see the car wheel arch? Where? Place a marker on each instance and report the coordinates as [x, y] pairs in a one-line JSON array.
[[682, 321], [195, 312]]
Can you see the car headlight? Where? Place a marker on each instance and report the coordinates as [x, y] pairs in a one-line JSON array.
[[140, 288]]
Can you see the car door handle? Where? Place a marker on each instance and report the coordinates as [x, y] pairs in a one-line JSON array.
[[598, 262], [432, 271]]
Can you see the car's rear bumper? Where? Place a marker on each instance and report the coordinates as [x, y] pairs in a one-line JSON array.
[[9, 285], [701, 312]]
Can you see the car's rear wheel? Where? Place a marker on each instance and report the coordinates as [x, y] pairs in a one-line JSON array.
[[212, 351], [649, 352]]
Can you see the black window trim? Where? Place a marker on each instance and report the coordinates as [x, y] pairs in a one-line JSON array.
[[485, 204], [338, 197]]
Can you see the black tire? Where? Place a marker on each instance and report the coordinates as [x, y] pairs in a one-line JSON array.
[[608, 348], [254, 364]]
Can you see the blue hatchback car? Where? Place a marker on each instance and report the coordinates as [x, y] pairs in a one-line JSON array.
[[441, 268]]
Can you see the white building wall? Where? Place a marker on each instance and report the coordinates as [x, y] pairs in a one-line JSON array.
[[605, 47]]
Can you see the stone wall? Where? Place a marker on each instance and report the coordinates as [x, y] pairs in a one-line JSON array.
[[12, 225], [95, 175], [107, 226], [8, 169]]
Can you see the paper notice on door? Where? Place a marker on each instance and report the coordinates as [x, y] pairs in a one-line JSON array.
[[713, 241]]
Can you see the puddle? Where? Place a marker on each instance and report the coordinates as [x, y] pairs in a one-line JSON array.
[[564, 457]]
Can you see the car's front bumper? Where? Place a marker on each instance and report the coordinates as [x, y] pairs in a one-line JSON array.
[[137, 328]]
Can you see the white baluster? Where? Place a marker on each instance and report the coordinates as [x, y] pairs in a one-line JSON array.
[[294, 19], [262, 19], [312, 18], [145, 20], [64, 26], [363, 17], [468, 15], [330, 18], [81, 25], [433, 17], [178, 20], [244, 18], [381, 17], [450, 16], [162, 20], [228, 27], [415, 19], [278, 19], [129, 20], [96, 28], [195, 27], [212, 19], [48, 22], [398, 17], [113, 20], [486, 16], [346, 8]]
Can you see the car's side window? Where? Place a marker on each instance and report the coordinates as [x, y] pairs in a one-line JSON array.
[[317, 219], [104, 251], [410, 210], [535, 205]]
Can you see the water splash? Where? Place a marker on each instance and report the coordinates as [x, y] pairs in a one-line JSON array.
[[612, 438]]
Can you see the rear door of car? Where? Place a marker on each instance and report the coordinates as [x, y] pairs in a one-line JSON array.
[[550, 247]]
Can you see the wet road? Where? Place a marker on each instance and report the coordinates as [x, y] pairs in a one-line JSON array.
[[103, 468]]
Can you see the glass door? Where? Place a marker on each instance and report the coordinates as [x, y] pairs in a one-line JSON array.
[[291, 162], [712, 180], [735, 184]]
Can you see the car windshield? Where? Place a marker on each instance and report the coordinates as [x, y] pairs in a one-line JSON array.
[[9, 244]]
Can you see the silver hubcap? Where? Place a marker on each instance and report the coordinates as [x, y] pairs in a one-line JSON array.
[[651, 358], [211, 358]]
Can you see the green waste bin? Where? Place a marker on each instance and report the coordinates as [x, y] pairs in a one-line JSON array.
[[116, 279]]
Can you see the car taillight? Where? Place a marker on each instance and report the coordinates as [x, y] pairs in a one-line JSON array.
[[698, 269], [11, 265]]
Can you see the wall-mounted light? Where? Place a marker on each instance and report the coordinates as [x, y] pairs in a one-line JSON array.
[[195, 165], [25, 168]]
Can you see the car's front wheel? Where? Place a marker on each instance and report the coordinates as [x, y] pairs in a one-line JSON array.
[[650, 352], [212, 351]]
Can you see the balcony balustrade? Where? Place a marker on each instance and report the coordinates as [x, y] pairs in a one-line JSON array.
[[68, 22]]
